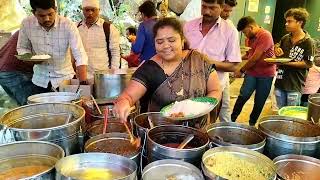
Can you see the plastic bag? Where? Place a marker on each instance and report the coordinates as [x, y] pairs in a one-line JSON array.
[[6, 135]]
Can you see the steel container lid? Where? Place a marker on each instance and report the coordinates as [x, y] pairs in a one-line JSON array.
[[170, 168], [292, 166], [256, 159], [290, 129], [53, 97], [235, 134]]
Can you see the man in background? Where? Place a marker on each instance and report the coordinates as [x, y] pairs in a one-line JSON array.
[[131, 33], [227, 9], [144, 44], [48, 33], [213, 36], [15, 75], [299, 47], [100, 39], [258, 73]]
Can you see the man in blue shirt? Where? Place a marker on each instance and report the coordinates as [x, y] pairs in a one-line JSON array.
[[144, 44]]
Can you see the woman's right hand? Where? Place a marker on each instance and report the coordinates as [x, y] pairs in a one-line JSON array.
[[121, 110], [278, 51]]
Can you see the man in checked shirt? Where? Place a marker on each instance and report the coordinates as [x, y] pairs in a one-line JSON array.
[[48, 33]]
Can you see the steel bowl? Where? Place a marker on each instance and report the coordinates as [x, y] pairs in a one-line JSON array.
[[96, 166], [292, 166], [29, 160], [110, 83], [294, 111], [314, 108], [235, 134], [160, 136], [236, 162], [54, 97], [46, 122], [286, 135], [170, 168], [115, 141]]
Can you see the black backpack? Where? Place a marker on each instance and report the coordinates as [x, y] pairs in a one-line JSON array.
[[106, 29]]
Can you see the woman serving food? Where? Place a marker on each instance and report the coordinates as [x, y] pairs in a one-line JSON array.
[[173, 74]]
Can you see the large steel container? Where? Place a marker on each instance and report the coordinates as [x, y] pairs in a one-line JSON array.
[[231, 162], [293, 167], [96, 128], [294, 111], [96, 166], [54, 122], [171, 169], [92, 113], [314, 108], [141, 126], [162, 142], [287, 135], [110, 83], [114, 143], [141, 123], [29, 160], [234, 134], [55, 97]]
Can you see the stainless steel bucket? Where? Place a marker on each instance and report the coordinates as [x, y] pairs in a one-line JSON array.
[[114, 143], [110, 83], [54, 122], [96, 166], [29, 160], [160, 136], [314, 108], [287, 135], [114, 126], [170, 168], [55, 97], [92, 113], [234, 134], [141, 123], [236, 163], [293, 166], [141, 127]]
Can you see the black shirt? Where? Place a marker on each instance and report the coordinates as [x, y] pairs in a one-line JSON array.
[[151, 75], [290, 78]]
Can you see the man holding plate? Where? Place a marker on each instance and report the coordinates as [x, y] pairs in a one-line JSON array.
[[298, 46], [258, 73], [48, 33]]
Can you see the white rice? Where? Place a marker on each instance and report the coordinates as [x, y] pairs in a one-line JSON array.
[[43, 56], [189, 108]]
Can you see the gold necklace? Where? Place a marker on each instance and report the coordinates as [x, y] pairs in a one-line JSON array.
[[181, 92]]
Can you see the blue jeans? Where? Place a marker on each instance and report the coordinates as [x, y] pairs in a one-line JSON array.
[[262, 86], [287, 98], [17, 85]]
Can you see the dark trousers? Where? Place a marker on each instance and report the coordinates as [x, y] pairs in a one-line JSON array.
[[17, 85], [38, 90], [262, 86]]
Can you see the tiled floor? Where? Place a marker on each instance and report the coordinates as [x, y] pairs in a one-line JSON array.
[[244, 116]]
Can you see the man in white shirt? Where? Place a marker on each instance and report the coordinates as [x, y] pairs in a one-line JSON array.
[[192, 11], [93, 31], [48, 33]]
